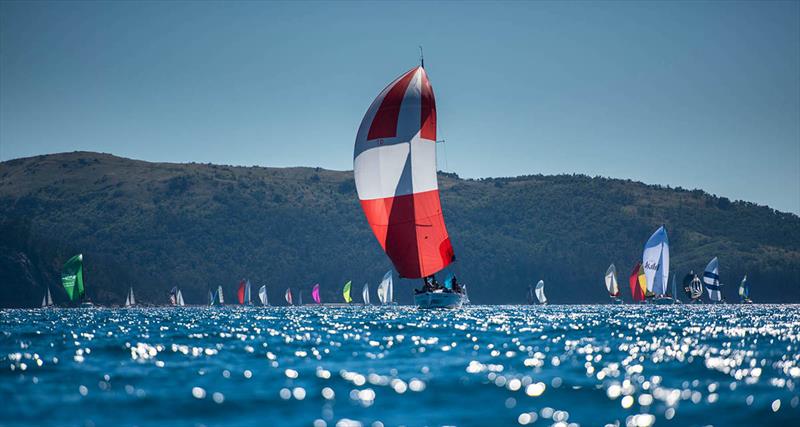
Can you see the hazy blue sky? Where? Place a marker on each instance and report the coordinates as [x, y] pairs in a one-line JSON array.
[[700, 95]]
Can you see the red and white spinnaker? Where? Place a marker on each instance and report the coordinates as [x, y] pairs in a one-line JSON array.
[[394, 163]]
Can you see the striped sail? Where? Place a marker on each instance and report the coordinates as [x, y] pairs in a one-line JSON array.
[[655, 260], [711, 280], [637, 282], [611, 281], [394, 164]]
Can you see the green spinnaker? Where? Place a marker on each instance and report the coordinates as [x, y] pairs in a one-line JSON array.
[[72, 277], [346, 292]]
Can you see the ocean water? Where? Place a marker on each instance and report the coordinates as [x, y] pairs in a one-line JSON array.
[[373, 366]]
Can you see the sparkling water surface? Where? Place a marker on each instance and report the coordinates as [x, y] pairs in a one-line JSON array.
[[374, 366]]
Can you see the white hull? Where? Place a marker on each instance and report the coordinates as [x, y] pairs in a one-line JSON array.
[[439, 300]]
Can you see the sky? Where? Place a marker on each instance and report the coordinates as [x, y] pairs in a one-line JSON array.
[[692, 94]]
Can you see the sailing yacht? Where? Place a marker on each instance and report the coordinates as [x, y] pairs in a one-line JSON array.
[[638, 283], [611, 284], [262, 295], [539, 292], [288, 296], [73, 282], [394, 166], [315, 294], [365, 294], [655, 261], [130, 300], [744, 291], [711, 282], [346, 292], [386, 289], [47, 299]]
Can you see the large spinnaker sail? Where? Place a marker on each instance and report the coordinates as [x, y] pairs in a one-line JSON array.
[[711, 280], [637, 291], [611, 281], [346, 292], [315, 294], [72, 277], [394, 164], [655, 260], [540, 292]]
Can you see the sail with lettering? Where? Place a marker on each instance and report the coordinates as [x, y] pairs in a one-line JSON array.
[[346, 292], [262, 295], [365, 293], [637, 282], [539, 290], [72, 278], [220, 297], [394, 164], [611, 281], [655, 260], [288, 296], [711, 281], [315, 294], [385, 288]]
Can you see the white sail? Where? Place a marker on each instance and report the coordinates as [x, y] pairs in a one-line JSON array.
[[539, 290], [655, 260], [210, 297], [248, 299], [611, 281], [219, 295], [711, 280], [365, 293], [133, 299], [262, 295], [180, 298], [696, 288], [44, 300], [385, 288]]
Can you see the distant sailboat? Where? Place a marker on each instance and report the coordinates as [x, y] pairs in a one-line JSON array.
[[711, 281], [211, 297], [243, 293], [288, 296], [638, 283], [611, 284], [315, 294], [72, 280], [181, 303], [365, 293], [220, 296], [346, 292], [696, 287], [675, 290], [655, 260], [530, 295], [47, 299], [744, 291], [262, 295], [299, 297], [130, 300], [385, 289], [539, 291]]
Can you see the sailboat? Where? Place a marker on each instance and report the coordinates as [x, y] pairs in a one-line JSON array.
[[696, 287], [47, 299], [288, 296], [299, 297], [211, 297], [394, 165], [346, 292], [744, 291], [385, 289], [365, 293], [220, 296], [655, 260], [674, 291], [611, 284], [130, 300], [539, 292], [72, 280], [262, 295], [176, 297], [243, 293], [711, 281], [638, 283], [315, 294]]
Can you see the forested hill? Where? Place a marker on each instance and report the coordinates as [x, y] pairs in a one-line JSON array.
[[157, 225]]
